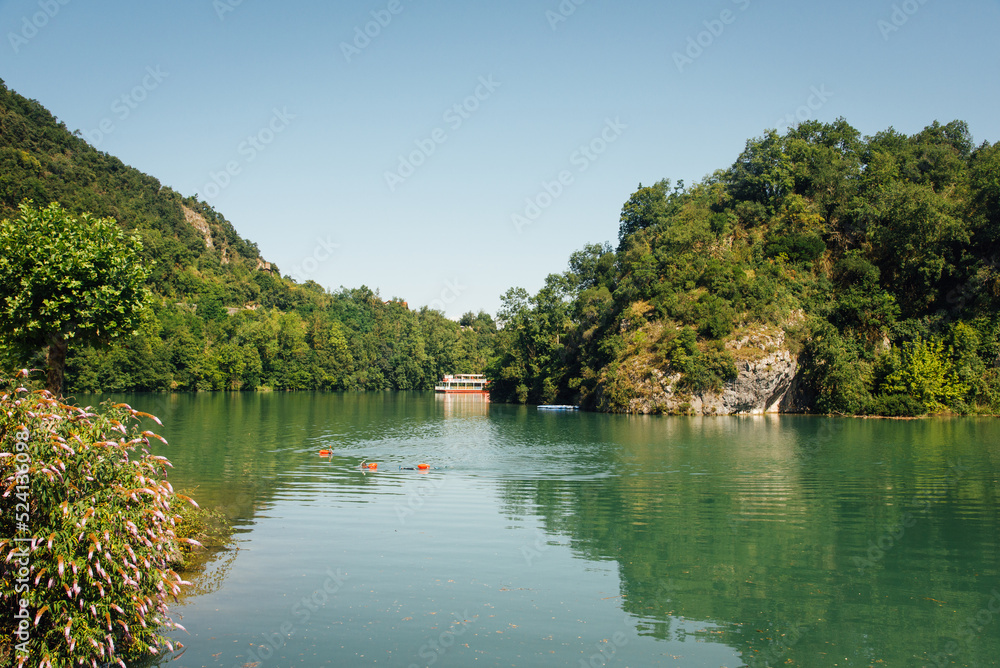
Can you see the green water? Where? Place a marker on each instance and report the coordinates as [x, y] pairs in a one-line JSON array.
[[574, 539]]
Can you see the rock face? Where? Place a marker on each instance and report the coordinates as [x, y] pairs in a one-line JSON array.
[[767, 382], [198, 222], [761, 386]]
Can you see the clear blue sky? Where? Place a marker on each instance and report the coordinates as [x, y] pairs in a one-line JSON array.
[[182, 85]]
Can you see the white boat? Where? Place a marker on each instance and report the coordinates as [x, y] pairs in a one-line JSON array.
[[557, 407], [464, 383]]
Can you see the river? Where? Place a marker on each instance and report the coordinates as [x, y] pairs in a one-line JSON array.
[[578, 539]]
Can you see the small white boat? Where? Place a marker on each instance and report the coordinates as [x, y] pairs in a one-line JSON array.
[[464, 383], [557, 407]]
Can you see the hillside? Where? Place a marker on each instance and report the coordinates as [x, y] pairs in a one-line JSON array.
[[822, 271], [223, 318]]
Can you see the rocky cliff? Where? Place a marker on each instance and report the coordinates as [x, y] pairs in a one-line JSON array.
[[767, 381]]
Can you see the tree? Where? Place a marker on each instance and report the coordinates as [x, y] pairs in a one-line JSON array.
[[926, 371], [984, 182], [763, 172], [530, 365], [591, 267], [64, 278], [645, 208]]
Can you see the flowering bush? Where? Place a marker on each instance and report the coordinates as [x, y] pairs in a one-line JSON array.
[[86, 534]]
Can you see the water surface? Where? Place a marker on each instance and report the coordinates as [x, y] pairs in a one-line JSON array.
[[576, 539]]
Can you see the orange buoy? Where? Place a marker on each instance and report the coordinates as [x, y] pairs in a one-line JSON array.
[[371, 465], [325, 453], [423, 467]]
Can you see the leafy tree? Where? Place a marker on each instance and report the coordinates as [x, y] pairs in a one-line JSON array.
[[65, 278], [836, 372], [592, 267], [644, 209], [531, 363], [763, 173], [926, 372], [916, 240], [825, 164], [862, 306], [982, 286]]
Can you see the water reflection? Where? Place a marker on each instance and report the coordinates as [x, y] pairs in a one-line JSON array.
[[463, 405], [759, 532], [721, 541]]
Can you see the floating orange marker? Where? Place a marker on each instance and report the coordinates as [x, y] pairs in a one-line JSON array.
[[325, 453], [423, 467], [371, 465]]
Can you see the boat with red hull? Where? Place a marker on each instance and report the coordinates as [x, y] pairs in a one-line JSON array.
[[463, 383]]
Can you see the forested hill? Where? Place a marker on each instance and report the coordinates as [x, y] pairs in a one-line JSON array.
[[870, 262], [222, 317], [40, 160]]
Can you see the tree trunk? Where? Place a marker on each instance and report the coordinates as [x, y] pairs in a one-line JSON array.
[[56, 360]]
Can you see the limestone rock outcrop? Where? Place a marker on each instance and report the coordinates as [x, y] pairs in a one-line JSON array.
[[767, 381]]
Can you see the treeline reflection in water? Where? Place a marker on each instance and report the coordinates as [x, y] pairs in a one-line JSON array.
[[821, 541]]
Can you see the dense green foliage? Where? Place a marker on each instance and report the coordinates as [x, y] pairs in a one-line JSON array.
[[876, 256], [221, 317], [87, 512], [350, 340], [872, 258], [64, 279]]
